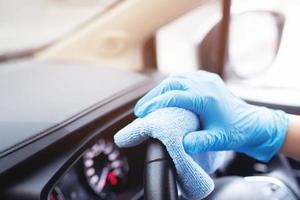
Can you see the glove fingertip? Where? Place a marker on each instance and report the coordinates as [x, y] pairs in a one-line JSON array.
[[146, 109], [137, 109]]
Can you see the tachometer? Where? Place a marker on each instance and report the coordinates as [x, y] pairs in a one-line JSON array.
[[105, 168]]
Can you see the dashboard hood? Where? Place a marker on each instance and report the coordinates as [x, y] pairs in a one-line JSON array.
[[38, 98]]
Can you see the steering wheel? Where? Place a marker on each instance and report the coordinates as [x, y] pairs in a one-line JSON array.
[[159, 174], [160, 180]]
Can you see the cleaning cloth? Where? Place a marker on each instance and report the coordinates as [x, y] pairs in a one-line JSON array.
[[169, 125]]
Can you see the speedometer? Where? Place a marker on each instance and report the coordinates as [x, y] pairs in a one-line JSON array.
[[105, 168]]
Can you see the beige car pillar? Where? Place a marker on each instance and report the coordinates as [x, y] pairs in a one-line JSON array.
[[117, 37]]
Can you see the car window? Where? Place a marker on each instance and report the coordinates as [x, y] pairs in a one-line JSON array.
[[262, 48], [30, 24], [177, 41]]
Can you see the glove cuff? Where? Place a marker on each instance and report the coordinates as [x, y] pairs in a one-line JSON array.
[[277, 130]]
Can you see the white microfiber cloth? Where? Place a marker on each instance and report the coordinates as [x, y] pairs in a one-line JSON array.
[[169, 125]]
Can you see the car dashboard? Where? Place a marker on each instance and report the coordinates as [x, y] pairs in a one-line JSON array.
[[104, 171], [77, 158], [58, 141]]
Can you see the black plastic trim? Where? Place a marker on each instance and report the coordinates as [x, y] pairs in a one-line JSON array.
[[33, 178], [33, 146]]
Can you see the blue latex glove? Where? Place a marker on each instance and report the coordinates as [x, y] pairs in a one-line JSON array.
[[228, 122], [169, 125]]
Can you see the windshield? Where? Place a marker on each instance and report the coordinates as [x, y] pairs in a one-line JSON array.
[[30, 24]]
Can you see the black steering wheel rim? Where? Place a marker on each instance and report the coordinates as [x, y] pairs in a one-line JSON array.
[[159, 173]]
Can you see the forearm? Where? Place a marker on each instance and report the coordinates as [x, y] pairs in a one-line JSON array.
[[291, 146]]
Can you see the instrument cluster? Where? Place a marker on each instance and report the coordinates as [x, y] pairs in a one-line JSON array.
[[103, 172]]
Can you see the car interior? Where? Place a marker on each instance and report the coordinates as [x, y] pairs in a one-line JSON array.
[[64, 98]]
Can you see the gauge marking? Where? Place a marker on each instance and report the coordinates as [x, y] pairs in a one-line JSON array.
[[90, 172], [94, 179], [118, 172], [116, 164], [88, 163], [108, 149], [105, 168], [89, 154], [113, 155]]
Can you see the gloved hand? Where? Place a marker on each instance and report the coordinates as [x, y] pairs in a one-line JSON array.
[[228, 122], [169, 125]]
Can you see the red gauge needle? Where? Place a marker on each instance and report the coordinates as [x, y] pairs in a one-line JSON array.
[[102, 180], [112, 178]]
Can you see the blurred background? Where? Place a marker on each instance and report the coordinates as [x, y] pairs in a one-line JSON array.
[[30, 24], [51, 54], [260, 54]]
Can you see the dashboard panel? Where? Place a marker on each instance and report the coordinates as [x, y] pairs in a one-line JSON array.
[[45, 164], [78, 160]]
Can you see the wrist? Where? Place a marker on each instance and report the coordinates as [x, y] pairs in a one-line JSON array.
[[290, 146], [281, 123]]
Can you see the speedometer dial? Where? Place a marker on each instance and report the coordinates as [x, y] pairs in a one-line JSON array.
[[105, 168]]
